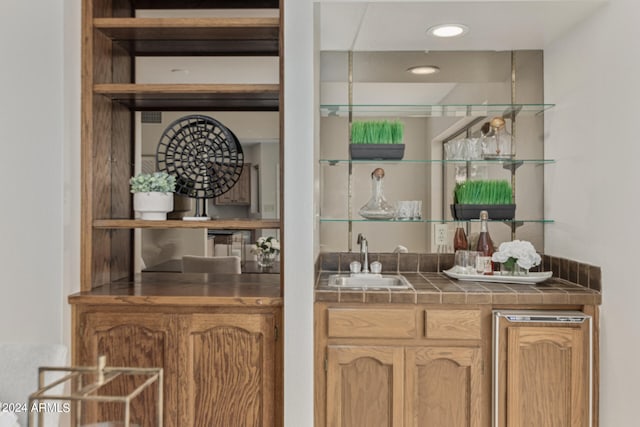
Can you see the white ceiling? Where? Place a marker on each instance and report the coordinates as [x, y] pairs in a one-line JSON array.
[[493, 25], [396, 28], [390, 36]]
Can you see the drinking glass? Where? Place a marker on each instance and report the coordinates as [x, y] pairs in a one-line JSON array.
[[416, 209], [466, 261], [472, 260], [403, 210], [461, 258]]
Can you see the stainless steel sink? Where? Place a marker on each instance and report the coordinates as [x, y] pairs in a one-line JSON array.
[[364, 280]]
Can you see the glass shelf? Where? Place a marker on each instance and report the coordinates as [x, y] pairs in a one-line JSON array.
[[433, 220], [442, 161], [441, 110]]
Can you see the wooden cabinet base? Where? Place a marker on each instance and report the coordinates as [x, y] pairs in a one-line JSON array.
[[406, 365], [222, 366]]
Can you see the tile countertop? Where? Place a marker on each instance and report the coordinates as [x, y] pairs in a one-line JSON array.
[[433, 287]]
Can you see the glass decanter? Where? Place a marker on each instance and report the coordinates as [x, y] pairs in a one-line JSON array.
[[502, 139], [377, 207]]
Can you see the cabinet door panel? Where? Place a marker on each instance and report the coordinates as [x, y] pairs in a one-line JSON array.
[[130, 341], [228, 377], [443, 387], [547, 377], [240, 193], [364, 386]]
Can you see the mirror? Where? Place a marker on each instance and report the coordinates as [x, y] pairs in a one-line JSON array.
[[381, 78], [258, 133]]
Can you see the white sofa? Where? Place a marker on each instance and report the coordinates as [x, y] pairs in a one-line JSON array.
[[19, 363]]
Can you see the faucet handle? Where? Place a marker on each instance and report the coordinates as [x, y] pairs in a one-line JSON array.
[[376, 267], [355, 266], [360, 238]]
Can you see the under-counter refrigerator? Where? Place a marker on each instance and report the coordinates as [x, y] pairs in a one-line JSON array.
[[542, 368]]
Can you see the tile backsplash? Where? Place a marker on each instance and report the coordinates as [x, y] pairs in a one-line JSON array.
[[586, 275]]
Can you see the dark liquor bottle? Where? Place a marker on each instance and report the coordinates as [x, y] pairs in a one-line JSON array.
[[460, 242], [484, 247]]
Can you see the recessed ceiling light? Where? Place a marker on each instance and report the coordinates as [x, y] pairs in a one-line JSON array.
[[424, 69], [448, 30]]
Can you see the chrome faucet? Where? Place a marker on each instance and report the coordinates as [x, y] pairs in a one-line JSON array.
[[364, 253]]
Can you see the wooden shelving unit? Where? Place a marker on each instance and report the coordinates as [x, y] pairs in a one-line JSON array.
[[113, 36], [215, 336]]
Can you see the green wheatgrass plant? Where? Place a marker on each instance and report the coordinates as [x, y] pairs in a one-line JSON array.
[[483, 192], [397, 132], [377, 132]]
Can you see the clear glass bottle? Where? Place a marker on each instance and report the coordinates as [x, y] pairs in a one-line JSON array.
[[377, 207], [484, 265], [460, 242]]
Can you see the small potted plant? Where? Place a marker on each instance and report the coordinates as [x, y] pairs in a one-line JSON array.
[[153, 195], [266, 248], [377, 140]]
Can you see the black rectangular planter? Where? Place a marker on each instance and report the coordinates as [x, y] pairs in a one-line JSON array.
[[467, 212], [376, 151]]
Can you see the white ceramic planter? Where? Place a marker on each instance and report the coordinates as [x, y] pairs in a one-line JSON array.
[[153, 206]]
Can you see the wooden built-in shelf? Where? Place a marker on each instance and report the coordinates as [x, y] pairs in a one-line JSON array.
[[225, 224], [193, 36], [144, 314], [205, 4], [116, 36], [186, 97]]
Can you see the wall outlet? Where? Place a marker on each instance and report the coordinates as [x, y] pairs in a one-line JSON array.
[[440, 234]]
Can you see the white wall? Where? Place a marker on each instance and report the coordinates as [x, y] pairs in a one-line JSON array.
[[31, 146], [71, 161], [298, 214], [592, 192]]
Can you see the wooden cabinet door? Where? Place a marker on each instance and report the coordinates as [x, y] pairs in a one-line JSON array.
[[443, 387], [240, 193], [365, 386], [544, 375], [227, 365], [130, 340]]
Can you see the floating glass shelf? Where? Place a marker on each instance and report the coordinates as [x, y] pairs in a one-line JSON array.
[[441, 161], [433, 220], [442, 110]]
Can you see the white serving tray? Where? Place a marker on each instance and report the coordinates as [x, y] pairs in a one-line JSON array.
[[529, 279]]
